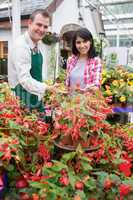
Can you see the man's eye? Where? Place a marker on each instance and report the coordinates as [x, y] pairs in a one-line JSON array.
[[45, 26], [78, 42], [39, 25]]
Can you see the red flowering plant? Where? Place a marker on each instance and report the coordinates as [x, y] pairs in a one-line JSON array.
[[106, 172], [80, 119], [24, 138], [79, 175], [25, 151]]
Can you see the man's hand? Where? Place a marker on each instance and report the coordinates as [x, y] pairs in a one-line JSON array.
[[52, 88]]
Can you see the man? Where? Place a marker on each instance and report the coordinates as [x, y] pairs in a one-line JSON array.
[[28, 62]]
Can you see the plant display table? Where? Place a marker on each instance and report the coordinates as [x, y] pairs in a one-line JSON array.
[[30, 169], [125, 113]]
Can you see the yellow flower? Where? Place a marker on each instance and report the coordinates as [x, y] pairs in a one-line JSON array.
[[104, 72], [130, 83], [108, 92], [115, 83], [103, 80], [121, 81], [130, 75], [122, 99], [120, 71]]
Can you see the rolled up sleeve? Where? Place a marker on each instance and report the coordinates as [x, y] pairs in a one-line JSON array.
[[22, 62]]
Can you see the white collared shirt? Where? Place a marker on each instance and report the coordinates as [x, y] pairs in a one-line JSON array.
[[20, 65]]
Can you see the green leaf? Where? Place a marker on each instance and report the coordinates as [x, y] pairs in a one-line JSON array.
[[79, 150], [37, 185], [51, 195], [86, 166], [1, 154], [115, 178], [10, 167], [58, 166], [84, 158], [91, 122], [81, 194], [72, 178], [117, 161], [128, 182], [90, 184], [57, 189], [86, 113], [68, 156], [13, 125], [48, 171], [103, 161], [101, 177]]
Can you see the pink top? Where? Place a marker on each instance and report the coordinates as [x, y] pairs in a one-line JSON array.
[[92, 71]]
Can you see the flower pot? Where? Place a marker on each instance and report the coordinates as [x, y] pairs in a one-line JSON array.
[[60, 149]]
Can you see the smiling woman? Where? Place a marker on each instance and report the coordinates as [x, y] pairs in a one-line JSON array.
[[83, 67]]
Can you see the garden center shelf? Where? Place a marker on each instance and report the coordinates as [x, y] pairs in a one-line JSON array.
[[124, 114]]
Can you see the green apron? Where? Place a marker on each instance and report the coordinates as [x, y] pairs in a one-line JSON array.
[[26, 98]]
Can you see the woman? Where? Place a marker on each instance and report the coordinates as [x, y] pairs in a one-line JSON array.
[[83, 67]]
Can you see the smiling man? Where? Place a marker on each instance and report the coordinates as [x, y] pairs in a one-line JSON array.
[[27, 68]]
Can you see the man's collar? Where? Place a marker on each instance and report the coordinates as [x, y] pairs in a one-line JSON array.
[[29, 41]]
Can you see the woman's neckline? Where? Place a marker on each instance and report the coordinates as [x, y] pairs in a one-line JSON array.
[[82, 59]]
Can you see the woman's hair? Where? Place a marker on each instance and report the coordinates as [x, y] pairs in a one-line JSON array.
[[87, 36]]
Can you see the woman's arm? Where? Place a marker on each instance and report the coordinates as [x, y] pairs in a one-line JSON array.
[[95, 75], [98, 72]]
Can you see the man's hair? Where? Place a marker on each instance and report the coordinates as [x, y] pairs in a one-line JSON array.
[[42, 12]]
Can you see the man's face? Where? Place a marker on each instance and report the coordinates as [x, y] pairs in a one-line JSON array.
[[38, 27]]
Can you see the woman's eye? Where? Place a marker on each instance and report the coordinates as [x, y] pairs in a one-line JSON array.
[[78, 42]]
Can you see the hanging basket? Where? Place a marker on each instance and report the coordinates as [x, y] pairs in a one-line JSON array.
[[50, 38]]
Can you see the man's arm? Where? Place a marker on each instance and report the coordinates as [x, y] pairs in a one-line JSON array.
[[22, 62]]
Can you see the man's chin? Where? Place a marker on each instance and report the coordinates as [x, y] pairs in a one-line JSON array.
[[41, 37], [38, 38]]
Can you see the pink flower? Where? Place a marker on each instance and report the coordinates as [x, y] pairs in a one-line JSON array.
[[108, 183], [79, 185], [64, 180], [124, 189], [43, 152], [125, 167]]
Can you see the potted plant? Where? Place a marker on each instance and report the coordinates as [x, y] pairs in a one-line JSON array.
[[118, 83], [80, 119], [102, 174], [22, 139]]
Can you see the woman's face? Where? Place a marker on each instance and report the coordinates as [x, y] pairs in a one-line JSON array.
[[82, 46]]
